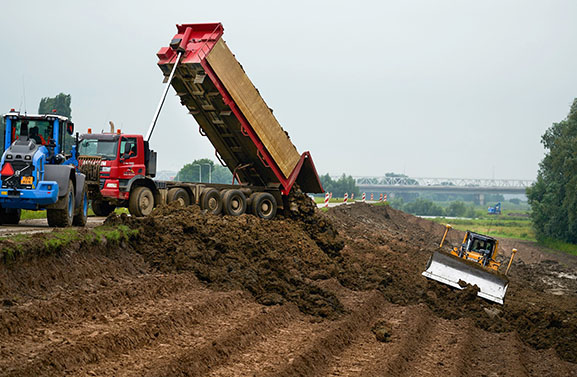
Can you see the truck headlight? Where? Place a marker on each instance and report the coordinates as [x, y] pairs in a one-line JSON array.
[[112, 185], [106, 169]]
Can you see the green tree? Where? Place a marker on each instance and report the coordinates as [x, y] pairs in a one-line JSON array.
[[204, 170], [340, 186], [221, 174], [553, 197], [456, 209], [423, 207], [60, 103]]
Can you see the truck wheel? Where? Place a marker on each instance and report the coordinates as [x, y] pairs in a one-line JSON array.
[[102, 208], [10, 216], [180, 195], [264, 205], [81, 216], [211, 201], [234, 202], [62, 217], [141, 202]]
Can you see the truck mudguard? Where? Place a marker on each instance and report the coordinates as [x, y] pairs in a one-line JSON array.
[[138, 178], [62, 174]]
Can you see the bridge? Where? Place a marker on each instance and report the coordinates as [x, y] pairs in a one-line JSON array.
[[452, 185], [476, 186]]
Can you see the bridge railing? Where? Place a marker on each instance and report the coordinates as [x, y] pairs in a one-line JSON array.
[[443, 182]]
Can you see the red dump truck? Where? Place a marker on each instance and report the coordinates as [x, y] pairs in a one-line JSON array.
[[230, 112]]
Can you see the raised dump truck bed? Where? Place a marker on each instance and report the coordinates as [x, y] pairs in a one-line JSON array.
[[230, 111]]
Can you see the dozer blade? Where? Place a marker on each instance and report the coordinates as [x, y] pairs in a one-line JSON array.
[[450, 270]]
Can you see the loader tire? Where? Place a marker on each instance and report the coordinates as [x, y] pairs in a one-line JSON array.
[[10, 216], [102, 208], [141, 202], [234, 202], [263, 205], [178, 194], [81, 216], [62, 218]]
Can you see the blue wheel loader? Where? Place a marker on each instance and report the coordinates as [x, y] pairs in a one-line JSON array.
[[38, 170]]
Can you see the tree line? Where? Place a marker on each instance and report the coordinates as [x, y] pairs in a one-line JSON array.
[[553, 196], [424, 207]]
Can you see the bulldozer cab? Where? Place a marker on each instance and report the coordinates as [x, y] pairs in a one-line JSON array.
[[479, 248], [478, 243]]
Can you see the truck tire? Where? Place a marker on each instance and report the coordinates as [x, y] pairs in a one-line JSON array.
[[178, 194], [211, 201], [62, 218], [141, 202], [102, 208], [234, 202], [81, 216], [10, 216], [263, 205]]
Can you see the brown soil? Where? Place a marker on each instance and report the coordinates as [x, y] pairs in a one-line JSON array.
[[307, 294]]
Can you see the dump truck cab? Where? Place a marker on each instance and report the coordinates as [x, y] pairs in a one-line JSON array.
[[113, 163], [38, 170]]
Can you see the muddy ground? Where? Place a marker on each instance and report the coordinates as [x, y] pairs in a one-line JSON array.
[[308, 294]]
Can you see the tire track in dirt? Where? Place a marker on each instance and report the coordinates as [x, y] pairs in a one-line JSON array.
[[199, 360], [316, 358], [77, 347], [271, 351], [414, 329], [444, 351], [277, 351], [365, 349], [94, 299]]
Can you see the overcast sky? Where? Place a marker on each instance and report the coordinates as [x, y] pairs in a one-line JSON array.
[[430, 88]]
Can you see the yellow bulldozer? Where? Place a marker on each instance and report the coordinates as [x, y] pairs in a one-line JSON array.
[[474, 263]]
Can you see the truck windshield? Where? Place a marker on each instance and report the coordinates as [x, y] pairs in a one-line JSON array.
[[104, 148]]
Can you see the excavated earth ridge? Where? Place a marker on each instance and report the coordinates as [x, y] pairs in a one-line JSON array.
[[307, 294]]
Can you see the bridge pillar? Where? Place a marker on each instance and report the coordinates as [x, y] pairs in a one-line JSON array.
[[482, 199]]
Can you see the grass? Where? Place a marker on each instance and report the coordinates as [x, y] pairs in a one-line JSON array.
[[565, 247], [27, 215], [501, 226], [16, 245]]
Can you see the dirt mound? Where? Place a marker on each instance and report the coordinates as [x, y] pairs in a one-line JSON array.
[[276, 261]]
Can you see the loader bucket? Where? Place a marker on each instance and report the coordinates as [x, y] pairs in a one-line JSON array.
[[449, 270]]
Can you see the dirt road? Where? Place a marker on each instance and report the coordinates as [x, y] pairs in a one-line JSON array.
[[198, 295], [32, 226]]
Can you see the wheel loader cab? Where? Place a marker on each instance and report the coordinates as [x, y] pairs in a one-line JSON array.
[[52, 131]]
